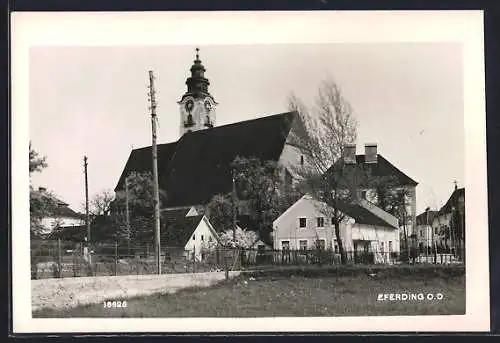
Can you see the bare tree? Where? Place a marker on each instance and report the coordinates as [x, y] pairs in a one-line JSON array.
[[100, 204], [321, 134]]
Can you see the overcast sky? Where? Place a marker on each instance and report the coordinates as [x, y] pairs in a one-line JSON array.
[[407, 97]]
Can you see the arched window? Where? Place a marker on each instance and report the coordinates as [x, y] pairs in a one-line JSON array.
[[301, 160]]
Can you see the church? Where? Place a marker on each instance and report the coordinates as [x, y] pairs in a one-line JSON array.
[[196, 167]]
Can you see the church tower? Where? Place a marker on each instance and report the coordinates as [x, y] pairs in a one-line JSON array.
[[197, 106]]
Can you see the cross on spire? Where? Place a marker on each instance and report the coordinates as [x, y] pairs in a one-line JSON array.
[[456, 184], [197, 53]]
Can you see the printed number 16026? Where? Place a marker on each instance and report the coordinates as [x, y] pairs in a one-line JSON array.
[[115, 304]]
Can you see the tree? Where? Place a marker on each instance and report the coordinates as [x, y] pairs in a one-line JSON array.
[[100, 204], [321, 134], [42, 203], [260, 195], [219, 210], [244, 238], [37, 163], [140, 198]]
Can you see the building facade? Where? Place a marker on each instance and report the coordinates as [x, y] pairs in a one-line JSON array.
[[306, 225], [380, 171]]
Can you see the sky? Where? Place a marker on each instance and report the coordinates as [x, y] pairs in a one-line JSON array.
[[92, 100]]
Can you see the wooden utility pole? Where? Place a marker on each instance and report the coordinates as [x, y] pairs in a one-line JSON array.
[[155, 171], [87, 221], [234, 206]]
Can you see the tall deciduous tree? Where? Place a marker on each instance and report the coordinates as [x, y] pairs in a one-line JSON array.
[[321, 134]]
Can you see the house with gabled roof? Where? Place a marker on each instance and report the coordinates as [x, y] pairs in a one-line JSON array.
[[366, 228], [185, 234], [426, 236], [62, 216], [449, 222], [380, 168]]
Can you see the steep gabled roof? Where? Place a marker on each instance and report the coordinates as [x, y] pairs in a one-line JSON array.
[[200, 167], [426, 219], [65, 211], [140, 160], [177, 228], [453, 200], [384, 168], [362, 215]]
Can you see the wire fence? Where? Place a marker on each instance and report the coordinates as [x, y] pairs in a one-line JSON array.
[[58, 259]]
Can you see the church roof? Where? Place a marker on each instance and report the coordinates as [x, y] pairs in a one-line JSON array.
[[140, 160], [197, 166]]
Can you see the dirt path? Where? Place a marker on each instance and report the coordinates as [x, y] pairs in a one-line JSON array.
[[70, 292]]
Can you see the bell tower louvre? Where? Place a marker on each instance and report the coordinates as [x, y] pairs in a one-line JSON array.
[[197, 106]]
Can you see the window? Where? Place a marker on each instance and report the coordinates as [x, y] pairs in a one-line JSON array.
[[301, 160], [210, 239], [320, 244], [303, 244], [202, 238], [435, 230], [320, 222], [363, 194], [390, 246], [335, 246], [302, 222], [382, 247], [333, 221], [194, 237], [285, 245]]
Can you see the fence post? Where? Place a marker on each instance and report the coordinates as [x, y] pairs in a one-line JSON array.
[[225, 263], [194, 259], [59, 257], [116, 258]]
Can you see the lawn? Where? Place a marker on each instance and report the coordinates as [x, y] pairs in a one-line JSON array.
[[265, 296]]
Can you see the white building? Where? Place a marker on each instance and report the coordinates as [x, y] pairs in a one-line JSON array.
[[186, 233], [366, 228], [63, 216]]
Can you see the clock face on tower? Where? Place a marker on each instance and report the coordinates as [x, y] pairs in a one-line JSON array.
[[189, 105], [208, 105]]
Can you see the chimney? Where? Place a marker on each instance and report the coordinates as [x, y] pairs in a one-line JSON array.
[[350, 154], [42, 189], [371, 153]]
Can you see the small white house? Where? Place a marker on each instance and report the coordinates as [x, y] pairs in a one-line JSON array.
[[187, 236], [366, 228], [427, 236], [62, 216]]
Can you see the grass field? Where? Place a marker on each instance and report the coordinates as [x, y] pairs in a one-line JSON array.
[[265, 296]]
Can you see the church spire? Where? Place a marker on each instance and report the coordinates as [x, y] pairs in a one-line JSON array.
[[197, 106], [197, 84]]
